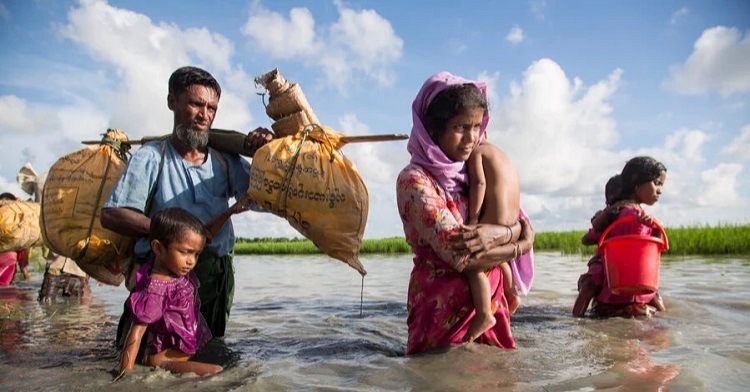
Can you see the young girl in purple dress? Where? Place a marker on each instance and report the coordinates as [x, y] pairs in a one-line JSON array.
[[165, 303]]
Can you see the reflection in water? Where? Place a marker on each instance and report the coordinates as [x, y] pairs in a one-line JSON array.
[[624, 350], [296, 325], [12, 316]]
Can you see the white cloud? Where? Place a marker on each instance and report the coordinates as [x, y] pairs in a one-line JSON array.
[[719, 62], [538, 7], [253, 224], [687, 144], [740, 146], [378, 163], [283, 38], [558, 128], [562, 136], [515, 35], [14, 115], [141, 52], [12, 187], [374, 160], [359, 44], [491, 81], [678, 15], [560, 133], [40, 133], [718, 187]]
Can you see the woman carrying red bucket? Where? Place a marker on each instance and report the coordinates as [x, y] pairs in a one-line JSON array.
[[625, 284]]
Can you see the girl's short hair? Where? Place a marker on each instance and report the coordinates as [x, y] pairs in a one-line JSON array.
[[169, 225], [640, 170], [449, 103]]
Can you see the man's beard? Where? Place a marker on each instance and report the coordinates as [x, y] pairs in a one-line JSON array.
[[191, 138]]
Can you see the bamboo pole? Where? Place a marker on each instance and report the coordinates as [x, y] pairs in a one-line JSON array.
[[237, 145], [344, 139]]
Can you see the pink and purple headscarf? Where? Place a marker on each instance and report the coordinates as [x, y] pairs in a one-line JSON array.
[[453, 176], [424, 152]]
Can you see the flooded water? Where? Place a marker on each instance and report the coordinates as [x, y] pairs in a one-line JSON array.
[[296, 326]]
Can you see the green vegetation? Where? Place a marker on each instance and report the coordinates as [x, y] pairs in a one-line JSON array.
[[700, 240], [720, 240], [275, 246], [37, 261]]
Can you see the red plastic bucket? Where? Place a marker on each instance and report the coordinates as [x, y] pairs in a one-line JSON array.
[[632, 261]]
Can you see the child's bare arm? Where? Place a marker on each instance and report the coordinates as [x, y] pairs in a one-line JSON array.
[[597, 221], [477, 187], [130, 350], [600, 220], [588, 239], [649, 220]]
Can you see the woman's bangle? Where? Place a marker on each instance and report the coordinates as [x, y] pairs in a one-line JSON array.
[[515, 250]]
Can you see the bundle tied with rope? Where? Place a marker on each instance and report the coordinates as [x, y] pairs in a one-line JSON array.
[[75, 190], [287, 104], [303, 177], [19, 225]]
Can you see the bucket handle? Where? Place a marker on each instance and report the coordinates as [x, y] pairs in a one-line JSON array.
[[630, 218]]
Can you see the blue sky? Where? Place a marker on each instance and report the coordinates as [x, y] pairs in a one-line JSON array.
[[576, 87]]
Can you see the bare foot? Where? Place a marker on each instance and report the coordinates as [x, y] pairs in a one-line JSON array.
[[481, 323], [514, 301]]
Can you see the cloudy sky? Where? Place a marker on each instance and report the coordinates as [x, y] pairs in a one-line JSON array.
[[576, 87]]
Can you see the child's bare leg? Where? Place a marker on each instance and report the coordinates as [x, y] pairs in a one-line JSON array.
[[657, 303], [178, 362], [586, 293], [479, 286], [199, 368], [511, 295]]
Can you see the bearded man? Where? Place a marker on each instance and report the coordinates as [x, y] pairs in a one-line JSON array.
[[182, 171]]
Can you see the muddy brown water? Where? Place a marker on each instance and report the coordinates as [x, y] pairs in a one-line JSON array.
[[296, 326]]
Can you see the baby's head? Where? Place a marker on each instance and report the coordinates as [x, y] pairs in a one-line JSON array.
[[612, 190], [449, 103], [174, 234], [8, 196]]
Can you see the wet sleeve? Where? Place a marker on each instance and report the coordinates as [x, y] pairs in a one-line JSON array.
[[146, 307]]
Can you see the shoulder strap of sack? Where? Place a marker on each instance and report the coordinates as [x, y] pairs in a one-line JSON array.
[[158, 175], [133, 263], [223, 163]]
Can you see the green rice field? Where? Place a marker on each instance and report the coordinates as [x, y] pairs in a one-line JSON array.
[[699, 240]]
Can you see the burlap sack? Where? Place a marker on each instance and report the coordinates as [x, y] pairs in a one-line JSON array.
[[29, 181], [76, 187], [291, 124], [305, 180], [289, 101], [287, 104], [272, 81], [19, 225]]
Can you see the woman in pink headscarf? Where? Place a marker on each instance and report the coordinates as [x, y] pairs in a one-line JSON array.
[[449, 119]]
